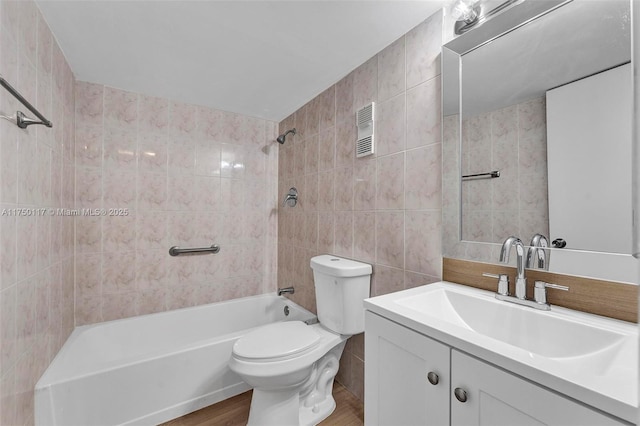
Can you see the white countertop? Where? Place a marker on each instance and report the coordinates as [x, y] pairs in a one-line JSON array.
[[612, 387]]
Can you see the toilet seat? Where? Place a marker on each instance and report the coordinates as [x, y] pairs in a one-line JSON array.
[[276, 342]]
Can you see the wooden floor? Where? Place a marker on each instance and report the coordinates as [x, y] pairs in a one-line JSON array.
[[235, 411]]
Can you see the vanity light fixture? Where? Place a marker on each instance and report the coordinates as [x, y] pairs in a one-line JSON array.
[[466, 13], [469, 13]]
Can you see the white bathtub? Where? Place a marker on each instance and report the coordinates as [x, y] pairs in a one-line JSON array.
[[153, 368]]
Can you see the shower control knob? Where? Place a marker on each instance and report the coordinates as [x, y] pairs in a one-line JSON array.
[[433, 378], [291, 199], [461, 394]]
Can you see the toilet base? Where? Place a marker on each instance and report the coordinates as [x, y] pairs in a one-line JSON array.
[[311, 416], [304, 405], [284, 409], [274, 408]]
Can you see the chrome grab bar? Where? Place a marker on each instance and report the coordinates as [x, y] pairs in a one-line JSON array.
[[177, 251], [488, 175]]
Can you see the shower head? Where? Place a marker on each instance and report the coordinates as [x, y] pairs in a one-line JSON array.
[[281, 138]]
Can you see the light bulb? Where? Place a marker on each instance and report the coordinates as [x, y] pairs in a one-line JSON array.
[[463, 10]]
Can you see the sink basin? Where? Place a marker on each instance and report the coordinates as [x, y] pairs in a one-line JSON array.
[[542, 333], [590, 358]]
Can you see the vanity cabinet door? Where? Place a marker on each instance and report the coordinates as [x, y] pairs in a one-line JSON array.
[[496, 397], [398, 387]]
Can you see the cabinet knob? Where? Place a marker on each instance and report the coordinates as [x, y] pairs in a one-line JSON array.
[[461, 394], [433, 378]]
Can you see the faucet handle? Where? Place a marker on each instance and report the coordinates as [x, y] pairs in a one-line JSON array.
[[540, 290], [503, 282], [556, 286]]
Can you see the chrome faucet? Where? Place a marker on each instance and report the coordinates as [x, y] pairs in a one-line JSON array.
[[538, 253], [285, 290], [539, 243], [521, 281]]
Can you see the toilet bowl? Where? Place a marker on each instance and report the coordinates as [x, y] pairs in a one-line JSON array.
[[291, 365]]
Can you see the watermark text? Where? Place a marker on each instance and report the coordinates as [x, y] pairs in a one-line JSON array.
[[50, 211]]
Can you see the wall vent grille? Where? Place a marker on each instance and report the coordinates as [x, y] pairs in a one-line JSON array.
[[364, 147], [366, 130]]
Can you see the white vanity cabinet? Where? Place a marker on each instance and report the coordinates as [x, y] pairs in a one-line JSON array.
[[497, 397], [398, 390]]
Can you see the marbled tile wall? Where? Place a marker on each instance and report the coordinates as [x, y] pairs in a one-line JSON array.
[[383, 209], [512, 140], [186, 176], [36, 175]]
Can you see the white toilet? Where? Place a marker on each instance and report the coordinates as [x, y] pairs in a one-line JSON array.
[[291, 365]]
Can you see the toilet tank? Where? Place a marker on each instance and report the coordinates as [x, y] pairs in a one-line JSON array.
[[341, 286]]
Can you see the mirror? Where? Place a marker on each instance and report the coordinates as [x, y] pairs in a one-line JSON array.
[[537, 126]]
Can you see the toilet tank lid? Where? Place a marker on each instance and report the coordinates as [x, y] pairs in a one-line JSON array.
[[339, 267]]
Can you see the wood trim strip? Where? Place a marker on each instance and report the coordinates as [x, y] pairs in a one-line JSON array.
[[607, 298]]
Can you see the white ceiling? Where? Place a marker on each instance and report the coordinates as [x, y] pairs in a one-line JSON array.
[[259, 58]]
